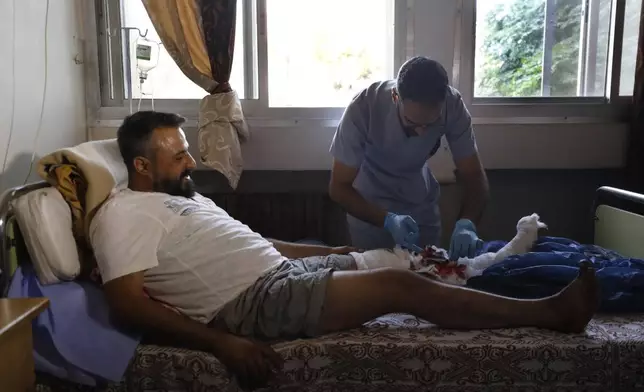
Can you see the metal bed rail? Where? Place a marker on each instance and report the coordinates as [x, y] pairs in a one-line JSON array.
[[6, 214]]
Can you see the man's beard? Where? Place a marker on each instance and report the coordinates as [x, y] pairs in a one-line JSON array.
[[182, 186]]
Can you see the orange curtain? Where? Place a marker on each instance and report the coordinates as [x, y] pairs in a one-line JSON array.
[[199, 35]]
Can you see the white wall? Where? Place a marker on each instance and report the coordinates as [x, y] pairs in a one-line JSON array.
[[64, 120], [502, 146]]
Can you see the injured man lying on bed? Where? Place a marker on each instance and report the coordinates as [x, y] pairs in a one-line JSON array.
[[173, 264]]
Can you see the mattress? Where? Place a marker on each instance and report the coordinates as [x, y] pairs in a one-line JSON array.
[[403, 353]]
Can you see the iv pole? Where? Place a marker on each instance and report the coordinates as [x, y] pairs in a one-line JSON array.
[[128, 69]]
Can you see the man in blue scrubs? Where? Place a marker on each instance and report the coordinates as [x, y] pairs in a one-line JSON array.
[[380, 173]]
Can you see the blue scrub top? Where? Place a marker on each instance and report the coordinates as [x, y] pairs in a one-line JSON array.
[[393, 171]]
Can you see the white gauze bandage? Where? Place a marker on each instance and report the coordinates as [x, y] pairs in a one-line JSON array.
[[527, 233]]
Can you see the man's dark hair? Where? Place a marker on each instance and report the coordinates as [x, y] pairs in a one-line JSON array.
[[422, 80], [135, 133]]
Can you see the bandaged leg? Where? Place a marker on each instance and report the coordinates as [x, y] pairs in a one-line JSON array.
[[527, 233], [384, 258], [434, 260]]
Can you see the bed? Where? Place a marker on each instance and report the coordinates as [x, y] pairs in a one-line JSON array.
[[403, 353]]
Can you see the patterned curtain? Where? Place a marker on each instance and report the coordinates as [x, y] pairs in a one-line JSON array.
[[635, 160], [200, 36]]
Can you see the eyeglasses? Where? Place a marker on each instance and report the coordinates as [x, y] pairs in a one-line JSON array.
[[409, 125]]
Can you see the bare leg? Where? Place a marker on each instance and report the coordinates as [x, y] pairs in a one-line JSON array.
[[355, 297]]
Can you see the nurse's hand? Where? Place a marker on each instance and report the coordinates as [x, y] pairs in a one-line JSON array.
[[465, 242], [403, 229]]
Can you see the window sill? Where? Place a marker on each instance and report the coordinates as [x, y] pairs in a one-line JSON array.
[[482, 113], [272, 123]]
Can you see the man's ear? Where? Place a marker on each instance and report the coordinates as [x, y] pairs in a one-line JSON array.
[[394, 95], [142, 165]]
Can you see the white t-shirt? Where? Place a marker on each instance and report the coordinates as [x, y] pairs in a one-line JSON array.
[[195, 256]]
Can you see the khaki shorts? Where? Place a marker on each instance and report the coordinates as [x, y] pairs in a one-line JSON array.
[[285, 302]]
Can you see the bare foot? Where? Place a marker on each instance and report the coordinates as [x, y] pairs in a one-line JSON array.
[[574, 306]]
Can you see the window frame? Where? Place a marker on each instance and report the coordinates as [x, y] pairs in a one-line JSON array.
[[610, 108], [107, 110], [112, 106]]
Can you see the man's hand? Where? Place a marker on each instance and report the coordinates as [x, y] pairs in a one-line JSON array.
[[300, 251], [465, 242], [342, 192], [476, 190], [254, 364], [403, 229], [344, 250]]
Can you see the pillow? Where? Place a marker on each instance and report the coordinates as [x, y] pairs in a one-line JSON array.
[[45, 222]]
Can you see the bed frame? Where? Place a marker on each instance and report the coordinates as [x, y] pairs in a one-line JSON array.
[[9, 232], [619, 221]]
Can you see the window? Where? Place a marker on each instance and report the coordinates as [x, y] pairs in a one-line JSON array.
[[512, 60], [166, 80], [321, 57], [541, 48], [313, 55], [629, 46]]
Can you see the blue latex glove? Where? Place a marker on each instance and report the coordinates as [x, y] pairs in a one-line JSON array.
[[465, 242], [403, 229]]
